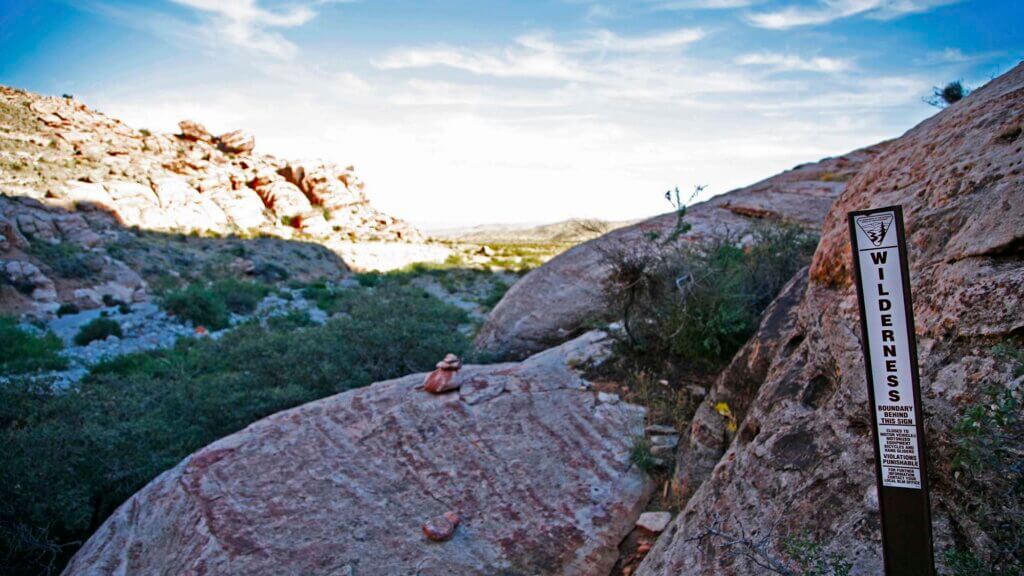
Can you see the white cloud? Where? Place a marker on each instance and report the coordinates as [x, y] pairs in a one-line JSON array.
[[791, 62], [544, 126], [537, 56], [526, 60], [825, 11], [606, 40], [245, 24], [679, 5]]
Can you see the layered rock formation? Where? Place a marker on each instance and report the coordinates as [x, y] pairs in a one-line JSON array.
[[520, 470], [80, 181], [187, 181], [551, 303], [799, 461]]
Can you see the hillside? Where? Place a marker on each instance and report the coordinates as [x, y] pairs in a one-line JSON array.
[[572, 231], [89, 208]]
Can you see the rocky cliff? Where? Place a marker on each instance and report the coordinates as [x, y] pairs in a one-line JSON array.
[[553, 302], [75, 178], [799, 462]]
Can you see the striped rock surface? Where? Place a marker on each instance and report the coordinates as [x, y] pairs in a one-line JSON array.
[[532, 462]]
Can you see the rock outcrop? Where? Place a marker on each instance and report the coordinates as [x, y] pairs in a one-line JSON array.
[[83, 182], [183, 181], [799, 460], [522, 470], [553, 302]]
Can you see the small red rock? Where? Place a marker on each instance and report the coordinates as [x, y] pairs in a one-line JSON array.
[[441, 528], [443, 379], [440, 381]]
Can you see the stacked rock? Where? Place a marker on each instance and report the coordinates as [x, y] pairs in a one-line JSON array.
[[443, 378]]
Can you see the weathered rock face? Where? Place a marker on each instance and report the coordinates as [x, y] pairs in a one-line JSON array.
[[534, 467], [551, 303], [87, 181], [188, 181], [802, 459]]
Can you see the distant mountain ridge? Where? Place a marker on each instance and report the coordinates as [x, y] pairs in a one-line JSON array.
[[564, 231]]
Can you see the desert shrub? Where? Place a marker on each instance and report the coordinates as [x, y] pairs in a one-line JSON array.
[[240, 296], [98, 329], [70, 459], [494, 294], [988, 473], [199, 305], [801, 555], [67, 308], [64, 258], [22, 351], [947, 95], [210, 305], [640, 454], [700, 302], [813, 559]]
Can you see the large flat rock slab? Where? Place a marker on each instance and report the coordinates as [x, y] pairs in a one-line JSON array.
[[535, 466]]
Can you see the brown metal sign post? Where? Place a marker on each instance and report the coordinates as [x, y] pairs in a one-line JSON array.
[[894, 390]]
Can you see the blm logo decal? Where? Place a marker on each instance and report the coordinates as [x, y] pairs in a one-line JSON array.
[[875, 226]]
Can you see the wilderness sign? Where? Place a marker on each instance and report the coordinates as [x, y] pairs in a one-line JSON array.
[[890, 355]]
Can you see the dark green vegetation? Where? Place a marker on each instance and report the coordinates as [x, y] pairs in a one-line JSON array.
[[69, 459], [987, 471], [640, 455], [813, 559], [66, 259], [947, 95], [210, 305], [699, 302], [98, 329], [22, 352]]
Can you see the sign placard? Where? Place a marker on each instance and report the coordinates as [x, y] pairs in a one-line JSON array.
[[890, 354]]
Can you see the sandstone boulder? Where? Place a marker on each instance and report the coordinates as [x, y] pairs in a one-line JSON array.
[[553, 302], [192, 130], [529, 471], [185, 208], [284, 199], [237, 142], [28, 278], [801, 462]]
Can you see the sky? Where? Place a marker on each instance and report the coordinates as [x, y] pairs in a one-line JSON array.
[[460, 113]]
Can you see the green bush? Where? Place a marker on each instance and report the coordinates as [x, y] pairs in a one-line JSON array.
[[700, 302], [70, 459], [211, 305], [22, 352], [494, 294], [640, 454], [64, 258], [98, 329], [240, 296], [948, 95], [67, 308]]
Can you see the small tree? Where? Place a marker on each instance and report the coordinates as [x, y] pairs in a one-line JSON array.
[[947, 95]]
